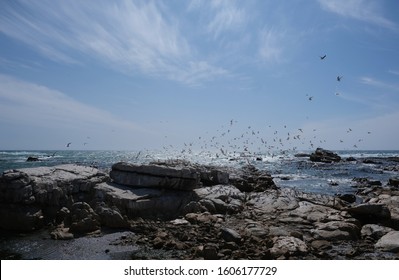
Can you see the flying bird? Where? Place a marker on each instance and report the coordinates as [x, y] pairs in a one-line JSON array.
[[339, 78], [68, 144], [323, 57]]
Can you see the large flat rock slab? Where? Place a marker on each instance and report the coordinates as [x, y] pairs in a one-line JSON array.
[[155, 176], [143, 202], [30, 197], [48, 185]]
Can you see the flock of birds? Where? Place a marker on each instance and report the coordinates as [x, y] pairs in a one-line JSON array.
[[235, 139]]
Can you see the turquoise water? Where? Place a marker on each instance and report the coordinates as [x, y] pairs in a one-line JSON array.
[[286, 169]]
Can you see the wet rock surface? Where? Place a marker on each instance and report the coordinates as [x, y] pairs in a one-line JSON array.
[[226, 214]]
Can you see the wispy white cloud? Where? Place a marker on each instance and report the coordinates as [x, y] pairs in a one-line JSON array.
[[28, 103], [221, 16], [395, 72], [271, 45], [227, 17], [127, 36], [364, 10], [380, 84]]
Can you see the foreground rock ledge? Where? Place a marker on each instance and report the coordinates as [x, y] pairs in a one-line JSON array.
[[215, 214], [155, 176]]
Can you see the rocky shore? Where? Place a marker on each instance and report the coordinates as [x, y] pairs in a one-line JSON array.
[[182, 210]]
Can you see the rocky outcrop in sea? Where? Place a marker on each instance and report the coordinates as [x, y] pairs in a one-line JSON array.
[[188, 211]]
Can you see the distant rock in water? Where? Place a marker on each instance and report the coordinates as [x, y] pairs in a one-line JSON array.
[[32, 159], [300, 155], [322, 155]]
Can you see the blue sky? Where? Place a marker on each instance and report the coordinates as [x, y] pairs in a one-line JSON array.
[[199, 74]]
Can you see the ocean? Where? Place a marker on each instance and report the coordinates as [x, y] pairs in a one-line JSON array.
[[286, 169]]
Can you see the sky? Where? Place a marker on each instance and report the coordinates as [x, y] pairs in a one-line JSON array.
[[223, 74]]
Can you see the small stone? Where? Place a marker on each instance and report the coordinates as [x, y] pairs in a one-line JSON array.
[[210, 252], [229, 234]]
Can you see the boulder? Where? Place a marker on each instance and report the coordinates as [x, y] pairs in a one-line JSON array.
[[369, 212], [83, 218], [48, 185], [212, 176], [32, 197], [230, 235], [251, 179], [394, 182], [143, 202], [61, 233], [284, 246], [336, 230], [110, 216], [210, 252], [374, 231], [389, 242], [155, 176], [322, 155]]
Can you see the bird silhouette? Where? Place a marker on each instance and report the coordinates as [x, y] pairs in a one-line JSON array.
[[69, 144], [323, 57], [339, 78]]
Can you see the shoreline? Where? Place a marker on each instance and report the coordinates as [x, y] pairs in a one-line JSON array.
[[221, 213]]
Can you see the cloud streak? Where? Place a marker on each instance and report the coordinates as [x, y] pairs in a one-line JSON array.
[[271, 45], [227, 17], [363, 10], [377, 83], [27, 103], [124, 35]]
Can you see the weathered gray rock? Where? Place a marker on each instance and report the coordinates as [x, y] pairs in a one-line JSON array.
[[143, 202], [374, 231], [392, 203], [257, 230], [61, 233], [83, 218], [389, 242], [394, 182], [337, 230], [250, 179], [30, 197], [210, 252], [203, 218], [322, 155], [315, 213], [284, 246], [110, 216], [223, 192], [155, 176], [212, 176], [369, 212], [221, 220], [273, 201], [230, 235], [48, 185]]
